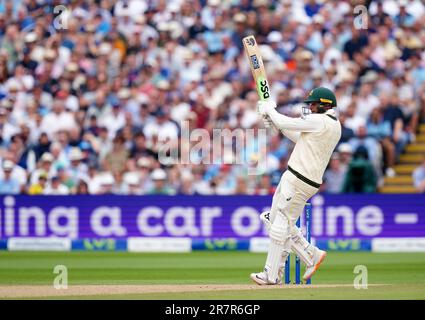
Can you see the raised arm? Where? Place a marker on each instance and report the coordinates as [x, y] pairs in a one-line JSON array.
[[291, 135], [311, 123]]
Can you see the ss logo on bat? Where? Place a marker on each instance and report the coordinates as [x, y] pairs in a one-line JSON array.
[[250, 41], [264, 89]]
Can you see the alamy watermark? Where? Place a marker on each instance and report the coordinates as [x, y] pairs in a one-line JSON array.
[[60, 282], [361, 279], [361, 20], [60, 22]]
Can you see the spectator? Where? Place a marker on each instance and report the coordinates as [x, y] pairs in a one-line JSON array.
[[422, 108], [116, 159], [106, 182], [417, 70], [42, 146], [17, 173], [77, 170], [58, 119], [55, 187], [277, 174], [210, 12], [64, 178], [201, 185], [224, 181], [7, 129], [159, 178], [82, 188], [419, 177], [311, 7], [162, 128], [45, 167], [139, 148], [392, 113], [380, 130], [346, 133], [38, 187], [186, 186], [345, 155], [403, 18], [366, 101], [130, 184], [380, 17], [353, 120], [335, 175], [356, 43], [8, 184], [143, 167], [361, 177], [265, 187], [372, 146], [113, 119]]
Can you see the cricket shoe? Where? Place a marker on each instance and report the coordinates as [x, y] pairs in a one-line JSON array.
[[318, 257], [265, 219], [262, 279]]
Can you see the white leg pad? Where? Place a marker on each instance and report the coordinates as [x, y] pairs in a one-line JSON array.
[[282, 264], [268, 217], [303, 249], [277, 199], [279, 247]]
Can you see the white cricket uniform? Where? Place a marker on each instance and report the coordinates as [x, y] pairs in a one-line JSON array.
[[315, 137]]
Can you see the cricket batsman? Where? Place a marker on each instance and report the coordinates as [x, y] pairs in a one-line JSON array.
[[315, 135]]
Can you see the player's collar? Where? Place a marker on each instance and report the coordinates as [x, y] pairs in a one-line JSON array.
[[331, 114]]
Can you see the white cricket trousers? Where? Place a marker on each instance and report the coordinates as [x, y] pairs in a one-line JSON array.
[[290, 197], [288, 204]]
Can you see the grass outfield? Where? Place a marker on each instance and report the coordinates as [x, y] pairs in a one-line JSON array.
[[214, 275]]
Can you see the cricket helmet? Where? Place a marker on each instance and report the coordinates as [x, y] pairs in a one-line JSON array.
[[322, 95]]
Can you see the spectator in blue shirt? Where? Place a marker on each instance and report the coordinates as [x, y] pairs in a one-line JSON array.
[[419, 177], [404, 19], [334, 176], [418, 71], [214, 37], [8, 184], [312, 7], [380, 129], [346, 133]]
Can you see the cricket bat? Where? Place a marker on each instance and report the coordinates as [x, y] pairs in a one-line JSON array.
[[257, 67]]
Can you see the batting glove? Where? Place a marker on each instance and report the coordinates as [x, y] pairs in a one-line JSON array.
[[263, 107], [267, 122]]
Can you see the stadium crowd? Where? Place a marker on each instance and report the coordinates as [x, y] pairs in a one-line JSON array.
[[89, 95]]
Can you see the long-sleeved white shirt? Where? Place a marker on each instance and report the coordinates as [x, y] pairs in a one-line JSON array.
[[54, 122], [315, 136]]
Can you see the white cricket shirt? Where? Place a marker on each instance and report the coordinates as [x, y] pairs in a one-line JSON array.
[[315, 135]]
